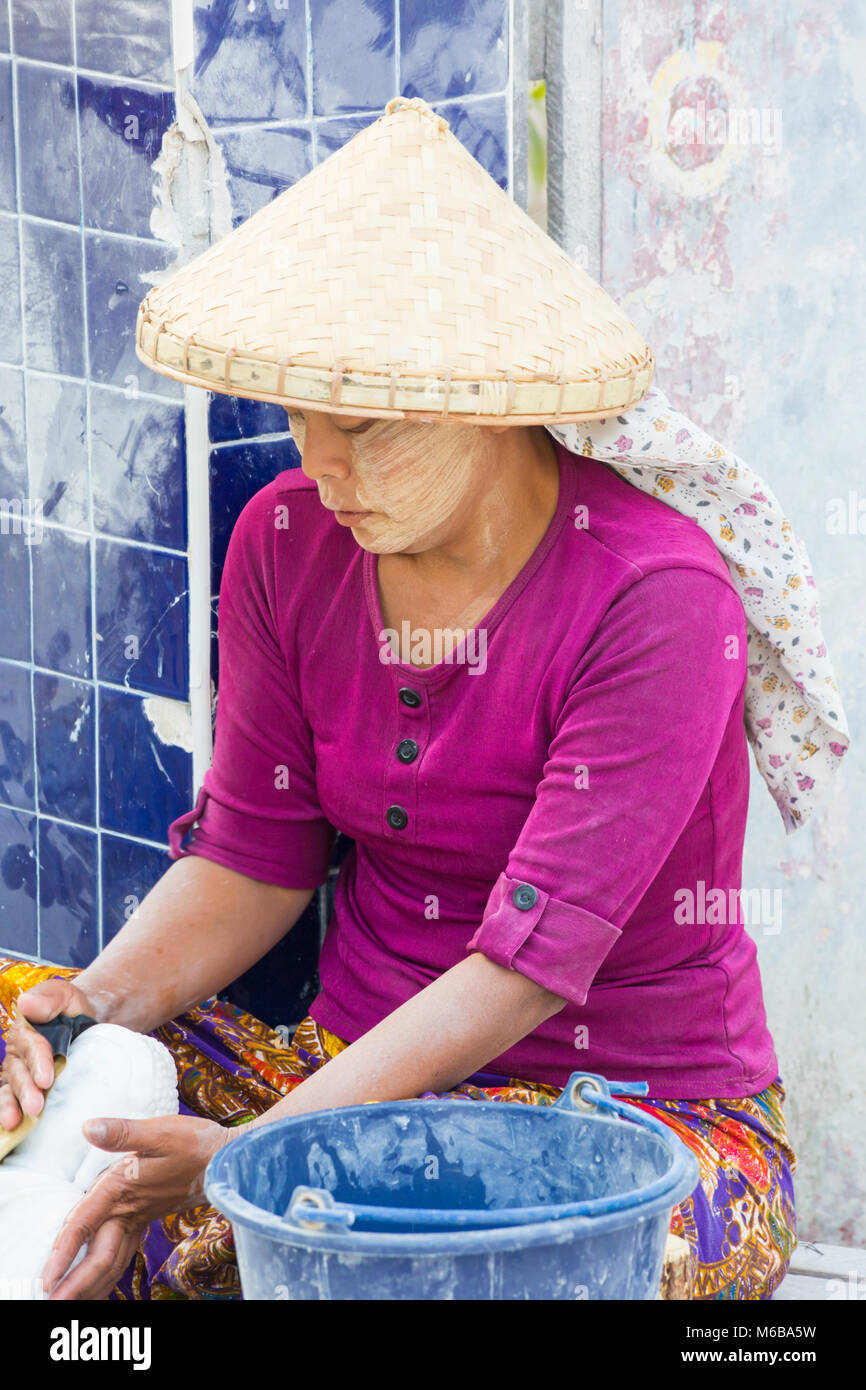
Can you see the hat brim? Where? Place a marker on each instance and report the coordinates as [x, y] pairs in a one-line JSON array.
[[398, 395]]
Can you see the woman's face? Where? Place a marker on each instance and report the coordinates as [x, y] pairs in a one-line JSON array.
[[399, 485]]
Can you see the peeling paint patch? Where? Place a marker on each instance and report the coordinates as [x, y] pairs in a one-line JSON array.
[[695, 84], [171, 721], [193, 208]]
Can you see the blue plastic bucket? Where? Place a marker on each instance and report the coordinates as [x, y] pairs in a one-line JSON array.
[[446, 1199]]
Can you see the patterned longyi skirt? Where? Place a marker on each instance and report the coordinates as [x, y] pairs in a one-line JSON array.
[[739, 1222]]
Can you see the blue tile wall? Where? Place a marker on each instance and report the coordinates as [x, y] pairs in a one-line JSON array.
[[49, 144], [250, 62], [334, 133], [15, 587], [10, 348], [121, 132], [18, 919], [482, 127], [129, 870], [131, 38], [93, 506], [233, 417], [64, 718], [13, 458], [115, 266], [144, 782], [142, 618], [137, 465], [68, 901], [358, 75], [451, 48], [62, 617], [93, 527], [57, 448], [262, 163], [237, 472], [7, 138], [16, 737], [53, 297], [43, 29]]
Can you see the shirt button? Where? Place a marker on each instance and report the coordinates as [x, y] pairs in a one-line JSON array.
[[409, 696], [407, 750], [524, 896], [396, 817]]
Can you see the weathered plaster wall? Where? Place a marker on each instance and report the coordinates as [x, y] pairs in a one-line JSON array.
[[739, 254]]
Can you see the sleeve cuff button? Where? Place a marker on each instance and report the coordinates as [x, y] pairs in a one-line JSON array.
[[524, 896]]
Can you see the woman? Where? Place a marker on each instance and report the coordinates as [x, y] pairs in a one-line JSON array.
[[600, 756], [517, 685]]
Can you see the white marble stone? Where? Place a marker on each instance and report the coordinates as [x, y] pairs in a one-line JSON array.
[[33, 1207], [110, 1072]]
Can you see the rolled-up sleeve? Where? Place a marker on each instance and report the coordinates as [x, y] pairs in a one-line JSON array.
[[257, 811], [632, 751]]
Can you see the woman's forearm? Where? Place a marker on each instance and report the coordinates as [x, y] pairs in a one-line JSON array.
[[439, 1037], [198, 928]]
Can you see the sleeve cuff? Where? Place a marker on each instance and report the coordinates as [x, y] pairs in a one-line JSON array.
[[556, 944], [179, 827], [292, 854]]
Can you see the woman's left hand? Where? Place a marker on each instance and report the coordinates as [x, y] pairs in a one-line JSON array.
[[162, 1171]]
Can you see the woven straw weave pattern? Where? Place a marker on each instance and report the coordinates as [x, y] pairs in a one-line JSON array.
[[397, 276]]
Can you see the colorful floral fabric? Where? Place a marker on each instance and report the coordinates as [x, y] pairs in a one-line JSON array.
[[793, 711], [739, 1222]]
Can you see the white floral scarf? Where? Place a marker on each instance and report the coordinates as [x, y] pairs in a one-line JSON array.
[[793, 713]]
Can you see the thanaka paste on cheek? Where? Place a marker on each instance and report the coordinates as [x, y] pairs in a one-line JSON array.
[[415, 478], [412, 476]]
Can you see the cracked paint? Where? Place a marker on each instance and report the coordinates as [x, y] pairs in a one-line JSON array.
[[171, 721], [193, 208]]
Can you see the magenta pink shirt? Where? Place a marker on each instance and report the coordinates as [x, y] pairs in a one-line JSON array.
[[544, 812]]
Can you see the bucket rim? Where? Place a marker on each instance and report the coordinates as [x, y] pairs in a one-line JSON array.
[[683, 1176], [436, 1243]]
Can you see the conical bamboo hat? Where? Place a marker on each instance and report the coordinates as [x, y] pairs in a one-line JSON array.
[[397, 279]]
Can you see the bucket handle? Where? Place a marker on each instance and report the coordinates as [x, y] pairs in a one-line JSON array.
[[330, 1214], [587, 1092]]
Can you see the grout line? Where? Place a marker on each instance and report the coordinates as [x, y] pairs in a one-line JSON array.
[[90, 681], [175, 401], [94, 660], [34, 956], [116, 79], [310, 122], [291, 124], [199, 581], [509, 101], [314, 128], [108, 536], [79, 825], [197, 480], [83, 228], [16, 117]]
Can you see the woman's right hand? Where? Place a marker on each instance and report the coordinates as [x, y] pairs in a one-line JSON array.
[[28, 1068]]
